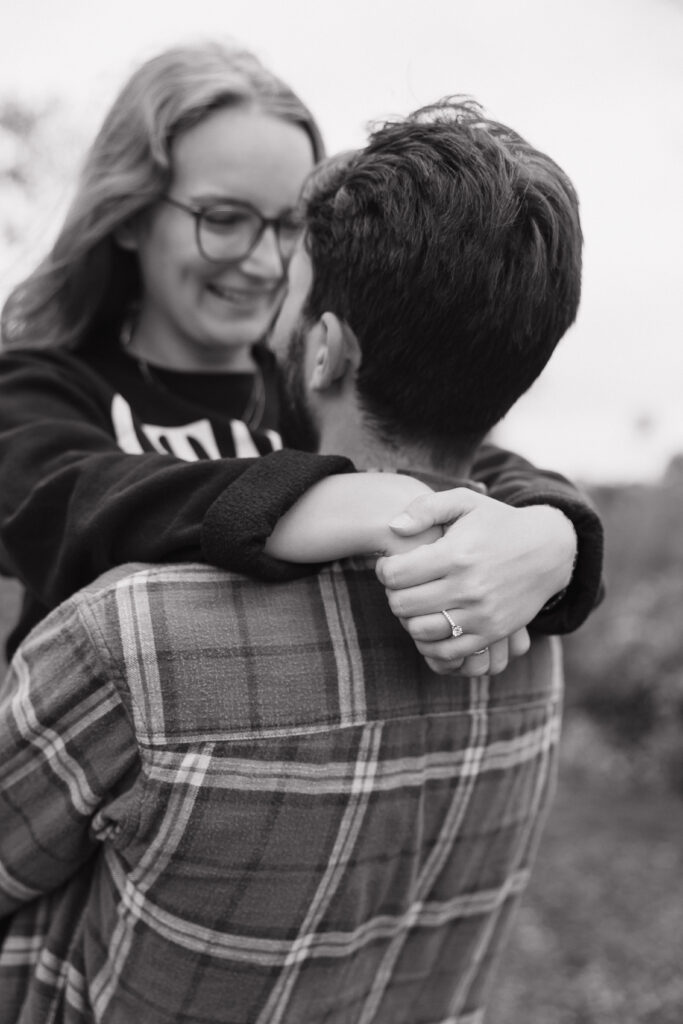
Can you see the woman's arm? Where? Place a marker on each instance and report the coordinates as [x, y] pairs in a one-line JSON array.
[[499, 567], [349, 515], [73, 505], [535, 557]]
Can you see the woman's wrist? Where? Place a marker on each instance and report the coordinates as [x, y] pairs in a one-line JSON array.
[[562, 545], [347, 514]]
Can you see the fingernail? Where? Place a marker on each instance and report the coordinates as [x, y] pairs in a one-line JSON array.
[[402, 522]]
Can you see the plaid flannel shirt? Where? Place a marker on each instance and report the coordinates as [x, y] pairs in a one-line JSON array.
[[223, 801]]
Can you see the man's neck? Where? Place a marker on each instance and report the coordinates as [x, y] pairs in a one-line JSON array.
[[352, 438]]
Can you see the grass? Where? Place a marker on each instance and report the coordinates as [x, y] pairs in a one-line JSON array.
[[600, 933]]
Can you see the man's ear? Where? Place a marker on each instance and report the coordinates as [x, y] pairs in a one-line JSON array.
[[337, 352]]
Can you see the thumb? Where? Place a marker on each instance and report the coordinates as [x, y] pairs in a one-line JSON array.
[[435, 509]]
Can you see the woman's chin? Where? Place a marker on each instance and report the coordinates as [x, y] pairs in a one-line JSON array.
[[227, 351]]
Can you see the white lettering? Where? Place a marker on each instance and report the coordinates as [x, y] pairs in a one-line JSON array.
[[178, 440], [190, 442], [122, 422], [243, 441]]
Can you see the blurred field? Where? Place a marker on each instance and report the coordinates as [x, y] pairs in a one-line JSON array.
[[599, 939], [600, 936]]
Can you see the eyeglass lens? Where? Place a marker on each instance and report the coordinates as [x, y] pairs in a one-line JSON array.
[[229, 232]]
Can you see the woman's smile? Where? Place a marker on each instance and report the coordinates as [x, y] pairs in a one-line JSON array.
[[244, 295]]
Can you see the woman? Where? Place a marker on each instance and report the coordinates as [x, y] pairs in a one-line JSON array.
[[133, 371]]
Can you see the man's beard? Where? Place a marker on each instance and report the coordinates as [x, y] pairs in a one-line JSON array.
[[297, 426]]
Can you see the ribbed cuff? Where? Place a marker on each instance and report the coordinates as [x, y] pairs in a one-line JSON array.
[[568, 610], [237, 525]]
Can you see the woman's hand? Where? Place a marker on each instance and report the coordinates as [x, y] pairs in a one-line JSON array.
[[448, 655], [494, 569]]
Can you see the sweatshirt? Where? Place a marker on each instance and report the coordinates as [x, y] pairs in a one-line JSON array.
[[106, 460]]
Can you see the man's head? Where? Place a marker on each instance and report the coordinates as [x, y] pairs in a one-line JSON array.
[[446, 256]]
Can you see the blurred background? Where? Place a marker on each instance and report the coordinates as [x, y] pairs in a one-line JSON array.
[[599, 85]]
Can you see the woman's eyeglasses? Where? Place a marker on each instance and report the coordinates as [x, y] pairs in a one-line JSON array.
[[228, 231]]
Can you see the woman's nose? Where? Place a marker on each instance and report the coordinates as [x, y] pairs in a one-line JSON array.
[[265, 259]]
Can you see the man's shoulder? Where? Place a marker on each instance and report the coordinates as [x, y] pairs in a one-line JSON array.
[[225, 604], [213, 654], [92, 603], [168, 579], [130, 576], [141, 574], [167, 583]]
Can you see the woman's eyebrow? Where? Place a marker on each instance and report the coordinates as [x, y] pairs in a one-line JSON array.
[[209, 199]]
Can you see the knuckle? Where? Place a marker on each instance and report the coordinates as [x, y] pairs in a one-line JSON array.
[[386, 573], [469, 560], [478, 594], [495, 621], [441, 652], [422, 504], [445, 667], [416, 629], [397, 604], [496, 628], [472, 642], [452, 656], [466, 670], [520, 642]]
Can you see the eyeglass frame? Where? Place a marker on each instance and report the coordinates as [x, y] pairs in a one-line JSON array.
[[197, 211]]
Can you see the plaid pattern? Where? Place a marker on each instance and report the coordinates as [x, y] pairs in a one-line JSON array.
[[229, 802]]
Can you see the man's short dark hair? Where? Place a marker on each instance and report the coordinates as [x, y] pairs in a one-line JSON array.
[[452, 248]]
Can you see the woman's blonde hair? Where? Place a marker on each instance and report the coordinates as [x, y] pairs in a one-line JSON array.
[[87, 283]]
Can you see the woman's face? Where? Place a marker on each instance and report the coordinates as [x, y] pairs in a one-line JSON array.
[[200, 315]]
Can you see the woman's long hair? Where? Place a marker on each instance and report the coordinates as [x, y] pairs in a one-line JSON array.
[[88, 283]]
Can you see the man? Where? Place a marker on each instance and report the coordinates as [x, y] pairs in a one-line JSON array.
[[295, 819]]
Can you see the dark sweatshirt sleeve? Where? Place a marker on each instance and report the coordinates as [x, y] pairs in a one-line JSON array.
[[239, 522], [72, 505], [510, 478]]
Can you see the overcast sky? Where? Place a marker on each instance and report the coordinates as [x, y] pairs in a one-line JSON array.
[[597, 83]]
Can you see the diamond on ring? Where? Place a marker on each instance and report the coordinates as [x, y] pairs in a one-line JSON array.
[[456, 631]]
